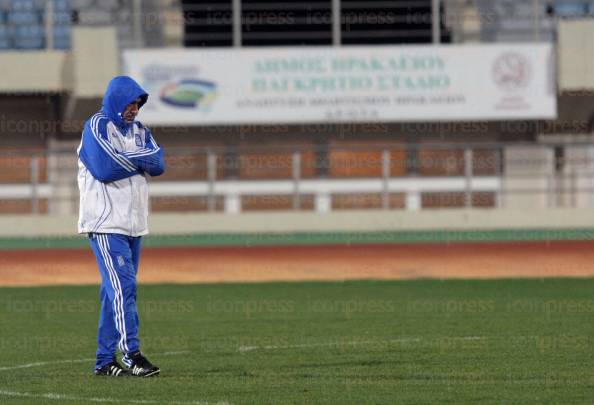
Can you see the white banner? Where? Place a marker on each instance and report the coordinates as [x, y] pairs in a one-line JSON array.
[[352, 84]]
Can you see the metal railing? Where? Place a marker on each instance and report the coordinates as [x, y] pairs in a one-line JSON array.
[[411, 177]]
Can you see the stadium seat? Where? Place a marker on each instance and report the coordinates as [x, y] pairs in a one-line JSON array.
[[61, 5], [5, 37], [39, 4], [62, 43], [24, 17], [513, 21], [23, 5], [94, 16], [62, 35], [29, 37], [519, 21], [62, 18], [570, 8]]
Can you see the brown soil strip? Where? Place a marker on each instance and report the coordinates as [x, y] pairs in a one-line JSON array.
[[253, 264]]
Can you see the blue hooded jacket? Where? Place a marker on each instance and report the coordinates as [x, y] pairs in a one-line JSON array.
[[97, 153], [121, 91]]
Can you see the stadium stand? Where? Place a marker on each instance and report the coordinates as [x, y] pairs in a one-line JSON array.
[[571, 9], [273, 160], [28, 24], [38, 24], [514, 21]]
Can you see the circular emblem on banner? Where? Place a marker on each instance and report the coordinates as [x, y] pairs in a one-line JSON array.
[[512, 71]]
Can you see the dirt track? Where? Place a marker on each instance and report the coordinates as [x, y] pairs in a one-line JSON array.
[[207, 265]]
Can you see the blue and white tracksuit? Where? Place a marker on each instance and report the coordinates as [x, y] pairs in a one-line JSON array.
[[114, 159]]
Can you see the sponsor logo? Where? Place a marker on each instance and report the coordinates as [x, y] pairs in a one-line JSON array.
[[189, 93]]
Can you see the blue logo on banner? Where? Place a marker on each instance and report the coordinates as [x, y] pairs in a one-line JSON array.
[[189, 93]]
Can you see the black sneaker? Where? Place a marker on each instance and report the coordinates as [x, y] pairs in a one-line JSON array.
[[139, 365], [113, 369]]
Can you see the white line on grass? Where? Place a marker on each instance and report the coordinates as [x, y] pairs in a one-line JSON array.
[[46, 363], [241, 349], [60, 397], [244, 349]]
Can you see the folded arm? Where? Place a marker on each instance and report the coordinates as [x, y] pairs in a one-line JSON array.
[[150, 158], [104, 162]]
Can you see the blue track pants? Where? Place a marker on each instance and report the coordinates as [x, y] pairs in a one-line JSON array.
[[117, 257]]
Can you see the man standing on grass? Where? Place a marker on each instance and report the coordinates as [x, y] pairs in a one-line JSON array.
[[115, 155]]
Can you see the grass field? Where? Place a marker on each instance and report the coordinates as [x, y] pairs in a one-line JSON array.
[[401, 342]]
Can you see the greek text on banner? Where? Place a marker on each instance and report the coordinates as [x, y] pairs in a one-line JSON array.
[[345, 84]]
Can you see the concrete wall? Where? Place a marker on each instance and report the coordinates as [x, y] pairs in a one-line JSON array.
[[352, 221], [84, 71], [527, 170], [38, 72], [575, 54], [96, 60]]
